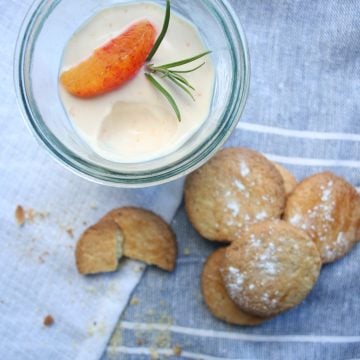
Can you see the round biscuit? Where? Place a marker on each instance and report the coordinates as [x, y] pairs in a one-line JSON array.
[[216, 297], [327, 207], [289, 179], [234, 189], [271, 268], [147, 237]]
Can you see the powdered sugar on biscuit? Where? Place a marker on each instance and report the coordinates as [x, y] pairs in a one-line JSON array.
[[255, 242], [240, 186], [244, 169], [233, 206], [340, 246], [295, 219], [267, 261], [326, 191], [319, 218], [261, 215], [235, 280]]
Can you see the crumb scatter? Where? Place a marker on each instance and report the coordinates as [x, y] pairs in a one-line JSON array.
[[134, 301], [20, 215], [70, 232], [48, 320], [177, 350]]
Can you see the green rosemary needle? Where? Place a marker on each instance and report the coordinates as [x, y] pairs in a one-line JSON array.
[[166, 94], [163, 32], [168, 72]]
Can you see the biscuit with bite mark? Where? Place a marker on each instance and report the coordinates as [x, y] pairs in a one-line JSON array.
[[147, 237], [327, 207], [236, 188], [216, 297], [99, 248], [271, 268]]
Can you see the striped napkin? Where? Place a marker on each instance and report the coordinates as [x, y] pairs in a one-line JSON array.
[[303, 112]]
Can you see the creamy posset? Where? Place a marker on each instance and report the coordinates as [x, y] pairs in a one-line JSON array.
[[135, 123]]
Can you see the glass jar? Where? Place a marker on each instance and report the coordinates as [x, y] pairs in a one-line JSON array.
[[45, 31]]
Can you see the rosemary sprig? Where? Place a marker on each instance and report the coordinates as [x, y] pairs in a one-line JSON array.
[[163, 32], [185, 61], [166, 71], [165, 93]]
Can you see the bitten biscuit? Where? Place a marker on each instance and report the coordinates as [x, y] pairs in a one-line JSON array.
[[216, 297], [99, 248], [327, 207], [289, 179], [147, 237], [271, 268], [236, 188]]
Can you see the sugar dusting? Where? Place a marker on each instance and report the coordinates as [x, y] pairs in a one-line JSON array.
[[268, 302], [338, 248], [233, 206], [244, 169], [255, 242], [267, 261], [295, 219], [240, 186], [326, 191], [261, 215], [235, 280], [319, 218]]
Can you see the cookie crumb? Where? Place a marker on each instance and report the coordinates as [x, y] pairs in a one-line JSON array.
[[140, 342], [30, 215], [41, 257], [139, 268], [186, 251], [43, 214], [93, 206], [154, 355], [70, 232], [20, 215], [134, 301], [177, 350], [48, 320]]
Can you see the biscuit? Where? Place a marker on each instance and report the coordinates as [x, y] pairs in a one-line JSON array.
[[147, 237], [236, 188], [216, 297], [289, 179], [327, 207], [271, 268], [99, 248]]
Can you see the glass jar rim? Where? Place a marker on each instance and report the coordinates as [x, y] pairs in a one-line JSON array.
[[222, 10]]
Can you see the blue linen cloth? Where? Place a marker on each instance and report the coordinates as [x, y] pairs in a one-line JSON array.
[[304, 112]]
